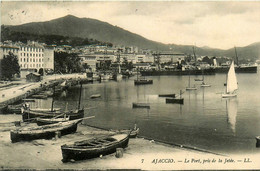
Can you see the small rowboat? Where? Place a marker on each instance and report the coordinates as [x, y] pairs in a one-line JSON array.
[[44, 132], [143, 81], [46, 121], [257, 141], [95, 96], [95, 147], [57, 119], [175, 100], [141, 105], [31, 115], [167, 95]]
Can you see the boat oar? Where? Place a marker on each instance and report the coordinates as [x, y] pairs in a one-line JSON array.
[[59, 115], [90, 107], [89, 117]]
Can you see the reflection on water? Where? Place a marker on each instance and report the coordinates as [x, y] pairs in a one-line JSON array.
[[205, 120], [232, 104]]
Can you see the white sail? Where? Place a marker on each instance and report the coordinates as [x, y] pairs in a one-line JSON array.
[[231, 79], [119, 69]]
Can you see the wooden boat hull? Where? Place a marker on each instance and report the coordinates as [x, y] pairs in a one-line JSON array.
[[191, 88], [205, 85], [228, 95], [31, 115], [257, 141], [142, 82], [177, 101], [141, 105], [167, 95], [39, 96], [43, 132], [42, 121], [95, 96], [69, 152], [17, 109]]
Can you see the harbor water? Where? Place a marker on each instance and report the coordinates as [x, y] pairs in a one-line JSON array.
[[205, 120]]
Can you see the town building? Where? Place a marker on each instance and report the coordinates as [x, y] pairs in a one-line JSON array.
[[31, 56]]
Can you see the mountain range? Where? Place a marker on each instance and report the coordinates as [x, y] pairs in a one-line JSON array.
[[71, 26]]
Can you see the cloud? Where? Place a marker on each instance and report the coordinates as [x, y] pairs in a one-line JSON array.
[[217, 24]]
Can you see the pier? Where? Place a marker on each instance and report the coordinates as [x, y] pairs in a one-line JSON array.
[[13, 92]]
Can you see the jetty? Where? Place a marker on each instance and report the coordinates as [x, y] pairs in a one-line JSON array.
[[20, 91]]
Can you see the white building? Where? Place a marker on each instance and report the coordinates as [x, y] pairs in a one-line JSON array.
[[31, 56]]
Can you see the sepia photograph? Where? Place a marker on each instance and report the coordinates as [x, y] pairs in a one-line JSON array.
[[142, 85]]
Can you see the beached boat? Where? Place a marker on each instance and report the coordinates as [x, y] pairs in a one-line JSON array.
[[57, 110], [39, 96], [31, 115], [44, 132], [57, 119], [47, 121], [95, 147], [95, 96], [133, 132], [17, 109], [28, 100], [231, 85], [141, 105]]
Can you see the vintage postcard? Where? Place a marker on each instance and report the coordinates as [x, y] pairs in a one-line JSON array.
[[146, 85]]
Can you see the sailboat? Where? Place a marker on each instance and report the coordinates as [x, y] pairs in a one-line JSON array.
[[142, 80], [190, 88], [203, 84], [231, 86]]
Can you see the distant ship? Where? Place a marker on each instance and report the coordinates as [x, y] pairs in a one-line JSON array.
[[238, 69], [209, 71]]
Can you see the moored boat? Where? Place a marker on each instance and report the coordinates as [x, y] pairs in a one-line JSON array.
[[44, 132], [143, 81], [175, 100], [167, 95], [231, 85], [95, 147], [141, 105], [95, 96]]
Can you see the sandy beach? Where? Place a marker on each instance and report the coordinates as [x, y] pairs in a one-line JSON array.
[[140, 153]]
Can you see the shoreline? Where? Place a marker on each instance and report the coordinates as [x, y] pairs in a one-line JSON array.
[[141, 153]]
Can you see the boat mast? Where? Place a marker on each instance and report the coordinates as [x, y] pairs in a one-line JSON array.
[[195, 58], [189, 80], [80, 95], [236, 55], [52, 103], [226, 82]]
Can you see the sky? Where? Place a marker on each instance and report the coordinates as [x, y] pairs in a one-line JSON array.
[[222, 24]]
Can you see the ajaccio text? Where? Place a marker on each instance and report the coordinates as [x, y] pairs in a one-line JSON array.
[[155, 161]]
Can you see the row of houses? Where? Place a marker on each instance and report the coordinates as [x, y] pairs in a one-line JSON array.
[[93, 60], [31, 56]]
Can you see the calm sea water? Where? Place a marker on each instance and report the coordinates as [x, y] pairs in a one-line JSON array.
[[205, 121]]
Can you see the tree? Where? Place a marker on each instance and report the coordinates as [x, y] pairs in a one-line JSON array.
[[41, 71], [10, 66], [67, 62]]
